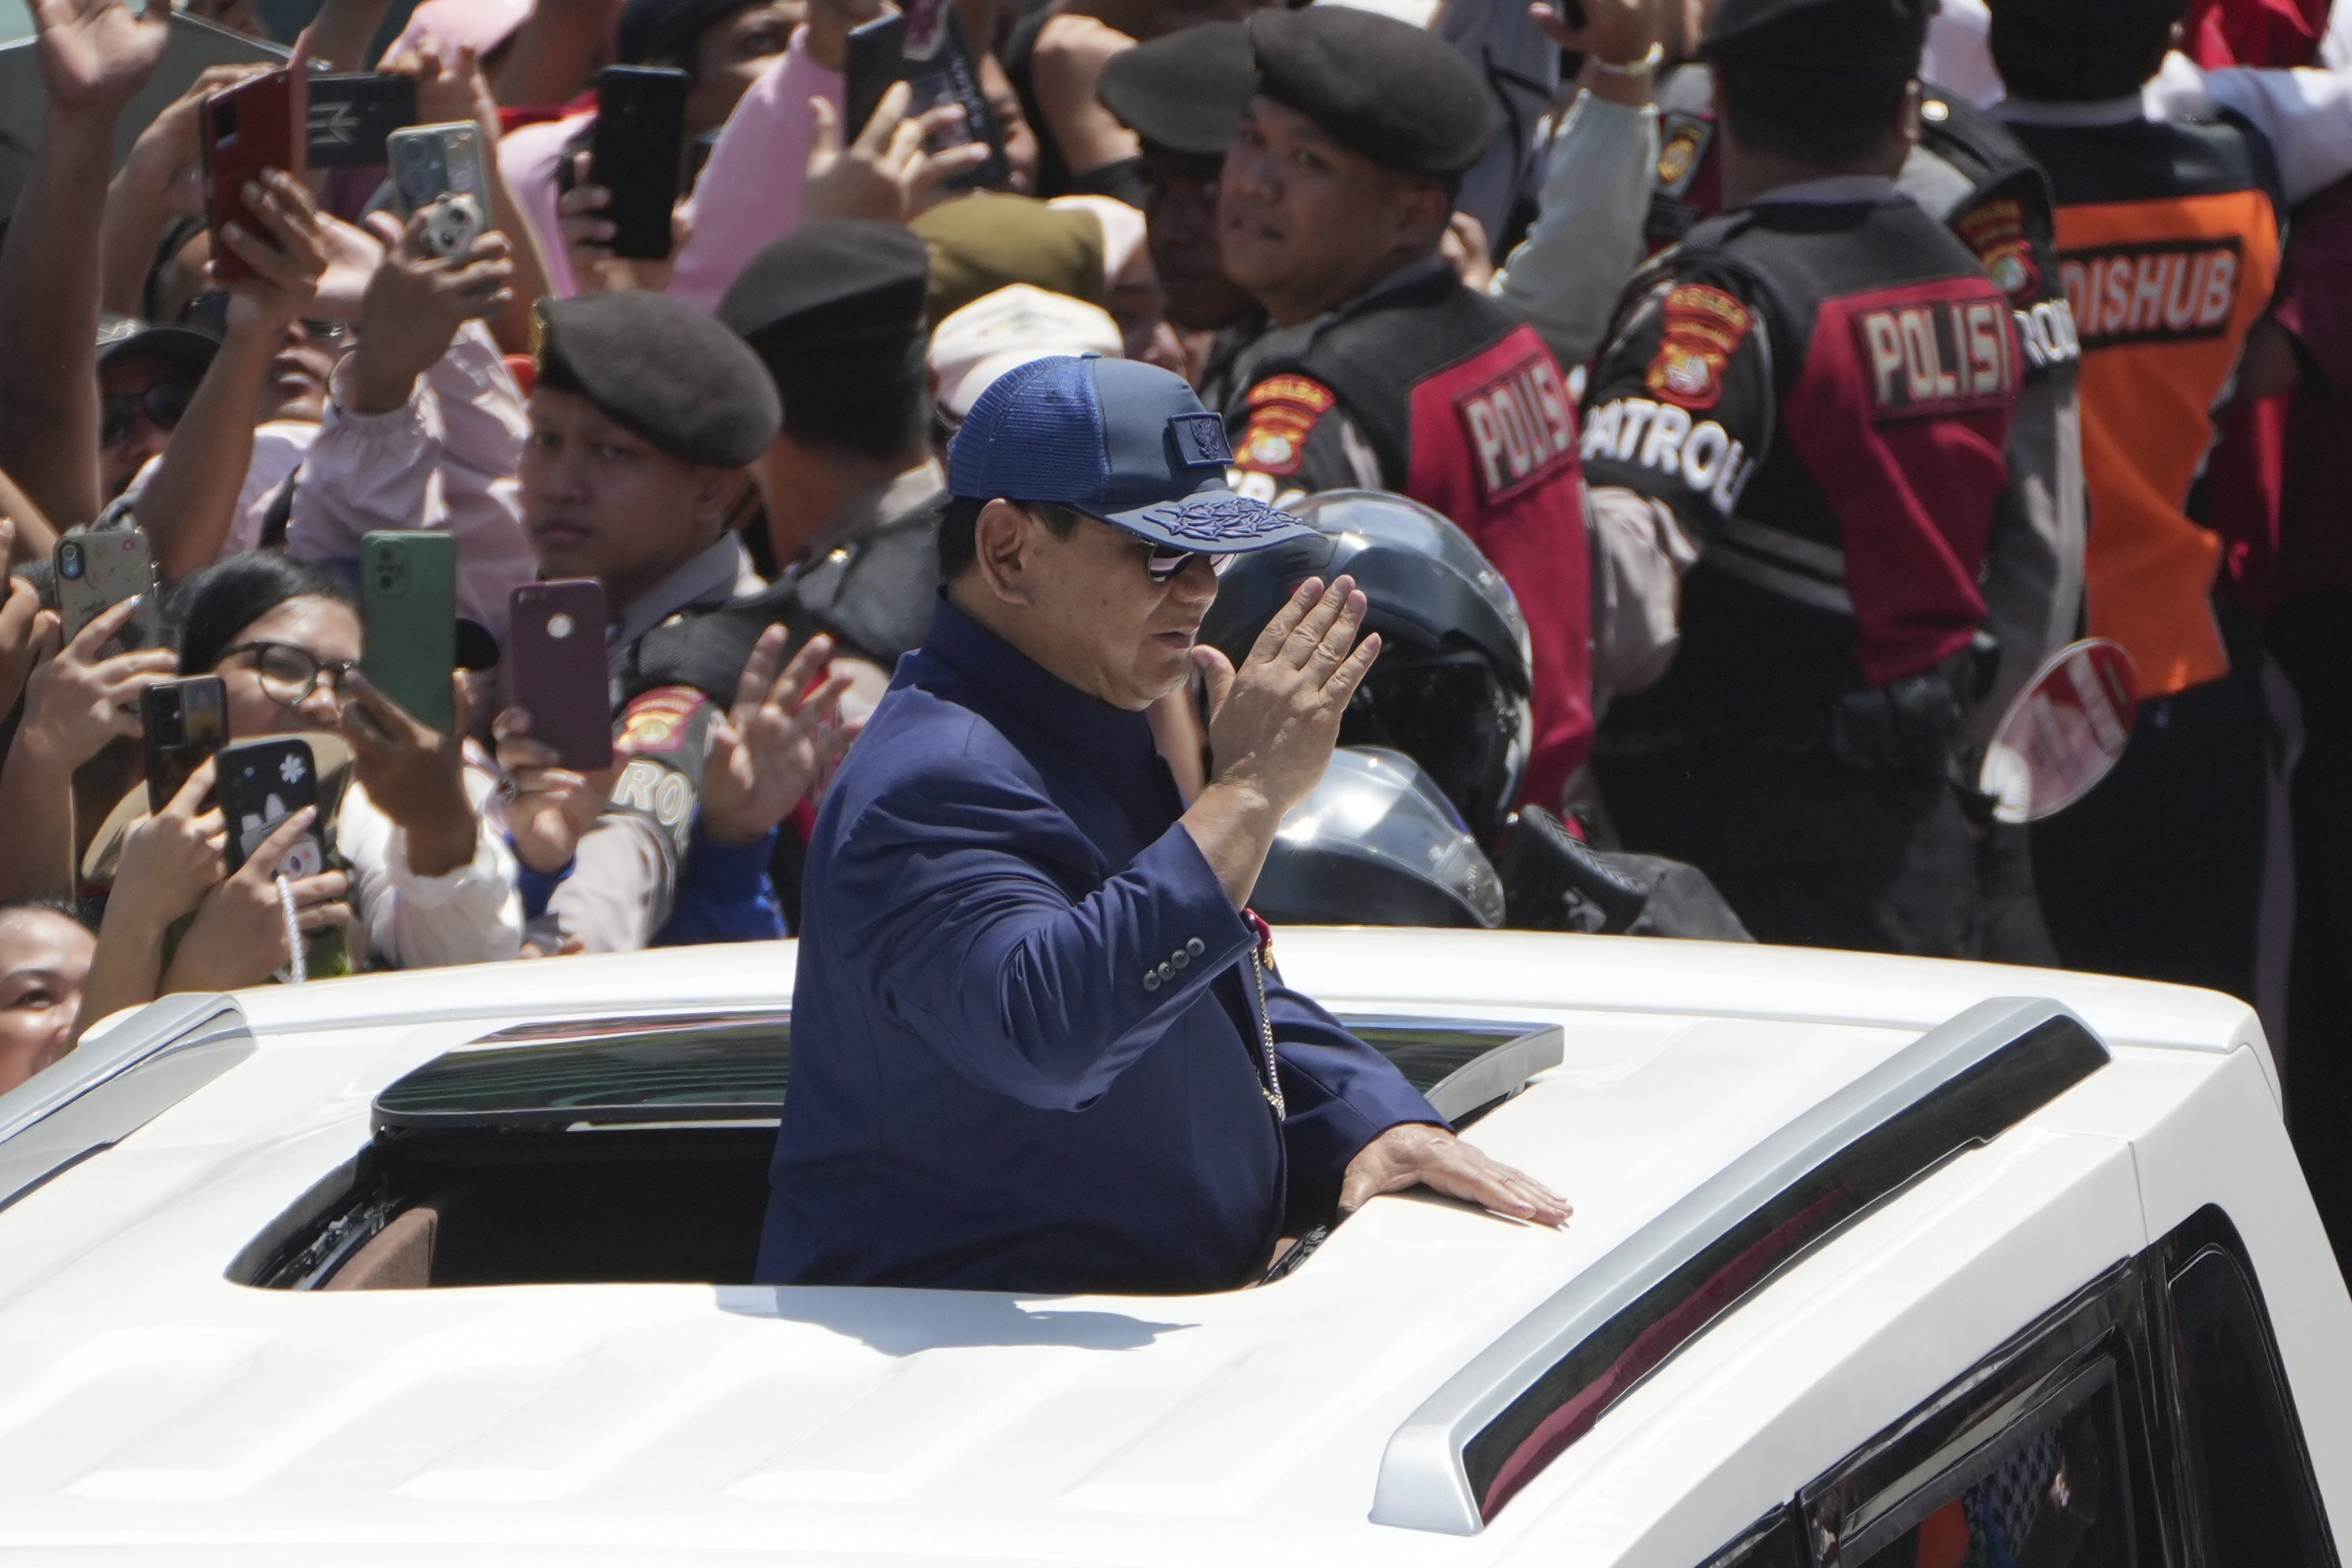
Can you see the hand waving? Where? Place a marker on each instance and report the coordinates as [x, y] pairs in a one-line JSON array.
[[95, 54], [1273, 724], [776, 742]]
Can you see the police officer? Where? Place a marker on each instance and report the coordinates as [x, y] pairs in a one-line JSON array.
[[645, 416], [1804, 406], [1968, 170], [851, 490], [1023, 922], [2169, 242], [1379, 368]]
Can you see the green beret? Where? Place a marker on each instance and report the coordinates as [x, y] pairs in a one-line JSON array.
[[665, 370], [1382, 88], [982, 243]]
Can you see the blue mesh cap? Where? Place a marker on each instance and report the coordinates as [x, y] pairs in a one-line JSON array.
[[1119, 440]]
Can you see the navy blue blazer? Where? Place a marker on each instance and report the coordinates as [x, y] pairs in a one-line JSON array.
[[993, 1087]]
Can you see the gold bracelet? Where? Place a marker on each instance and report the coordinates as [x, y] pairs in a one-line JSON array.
[[1646, 66]]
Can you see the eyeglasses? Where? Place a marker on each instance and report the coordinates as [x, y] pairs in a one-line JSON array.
[[1163, 563], [209, 309], [288, 674], [163, 404]]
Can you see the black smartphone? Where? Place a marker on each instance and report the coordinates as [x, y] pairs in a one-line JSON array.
[[638, 153], [924, 46], [181, 724], [352, 114], [260, 784]]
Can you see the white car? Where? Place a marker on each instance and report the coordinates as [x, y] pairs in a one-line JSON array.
[[1913, 1263]]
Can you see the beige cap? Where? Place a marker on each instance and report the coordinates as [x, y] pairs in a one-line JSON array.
[[1008, 329]]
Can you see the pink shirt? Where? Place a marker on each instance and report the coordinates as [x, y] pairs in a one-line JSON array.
[[528, 157], [750, 193]]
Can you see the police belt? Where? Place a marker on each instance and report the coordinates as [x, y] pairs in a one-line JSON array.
[[1907, 726]]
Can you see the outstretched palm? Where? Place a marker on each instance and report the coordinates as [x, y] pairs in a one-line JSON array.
[[95, 53]]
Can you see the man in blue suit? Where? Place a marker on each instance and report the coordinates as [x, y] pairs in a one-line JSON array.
[[1036, 1044]]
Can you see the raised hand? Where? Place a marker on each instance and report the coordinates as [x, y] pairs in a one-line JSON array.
[[414, 304], [1414, 1154], [288, 258], [238, 937], [1617, 32], [25, 626], [888, 173], [96, 54], [414, 774], [548, 807], [172, 860], [1272, 723], [77, 701], [776, 743], [165, 168]]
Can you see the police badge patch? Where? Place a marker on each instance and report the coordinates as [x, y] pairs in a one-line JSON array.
[[1283, 413], [1704, 326], [1995, 230]]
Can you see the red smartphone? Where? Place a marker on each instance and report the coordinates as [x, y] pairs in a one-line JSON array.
[[556, 668], [245, 128]]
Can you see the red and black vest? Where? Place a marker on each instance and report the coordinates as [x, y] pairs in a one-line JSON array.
[[1820, 389], [1435, 392]]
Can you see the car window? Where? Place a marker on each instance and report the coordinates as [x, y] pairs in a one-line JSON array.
[[2253, 1496], [2043, 1498]]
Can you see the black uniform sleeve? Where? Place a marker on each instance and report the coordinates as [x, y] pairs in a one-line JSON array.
[[1681, 405]]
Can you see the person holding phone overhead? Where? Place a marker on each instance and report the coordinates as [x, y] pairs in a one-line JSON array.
[[646, 414]]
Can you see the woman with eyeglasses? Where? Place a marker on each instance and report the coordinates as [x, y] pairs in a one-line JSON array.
[[431, 881]]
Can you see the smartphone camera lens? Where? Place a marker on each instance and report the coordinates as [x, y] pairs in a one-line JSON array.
[[70, 562], [559, 625]]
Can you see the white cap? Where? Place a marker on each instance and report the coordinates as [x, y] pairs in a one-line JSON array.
[[1008, 329]]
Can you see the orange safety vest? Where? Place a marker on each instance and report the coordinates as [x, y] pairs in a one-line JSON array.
[[2168, 248]]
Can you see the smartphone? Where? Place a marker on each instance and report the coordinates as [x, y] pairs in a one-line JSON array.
[[99, 569], [181, 724], [556, 670], [242, 130], [260, 784], [352, 115], [440, 169], [639, 152], [408, 621], [924, 45]]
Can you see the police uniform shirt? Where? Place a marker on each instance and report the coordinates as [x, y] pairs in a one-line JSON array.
[[1813, 391], [869, 574], [1026, 1053]]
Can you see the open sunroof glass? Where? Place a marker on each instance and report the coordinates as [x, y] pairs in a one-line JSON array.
[[735, 1068]]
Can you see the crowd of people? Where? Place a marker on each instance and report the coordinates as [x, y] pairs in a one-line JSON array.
[[1810, 371]]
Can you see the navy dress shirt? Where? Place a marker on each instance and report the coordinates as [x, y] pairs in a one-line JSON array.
[[1025, 1046]]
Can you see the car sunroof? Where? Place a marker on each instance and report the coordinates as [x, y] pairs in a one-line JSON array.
[[735, 1067]]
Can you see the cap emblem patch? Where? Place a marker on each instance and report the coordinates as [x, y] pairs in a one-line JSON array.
[[1200, 440], [1218, 518]]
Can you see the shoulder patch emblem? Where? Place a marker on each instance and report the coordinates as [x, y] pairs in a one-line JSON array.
[[659, 720], [1995, 230], [1704, 327], [1283, 413], [1680, 151]]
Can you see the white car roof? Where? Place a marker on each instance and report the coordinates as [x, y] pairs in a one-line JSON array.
[[157, 1406]]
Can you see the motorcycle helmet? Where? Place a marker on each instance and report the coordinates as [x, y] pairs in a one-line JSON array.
[[1451, 686], [1375, 844]]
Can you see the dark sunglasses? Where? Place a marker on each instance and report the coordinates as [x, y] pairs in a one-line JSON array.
[[288, 674], [163, 404], [1163, 563], [209, 310]]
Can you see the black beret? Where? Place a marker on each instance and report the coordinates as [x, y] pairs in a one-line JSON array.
[[1818, 35], [2096, 20], [1185, 92], [665, 370], [1398, 95], [830, 282], [651, 32]]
